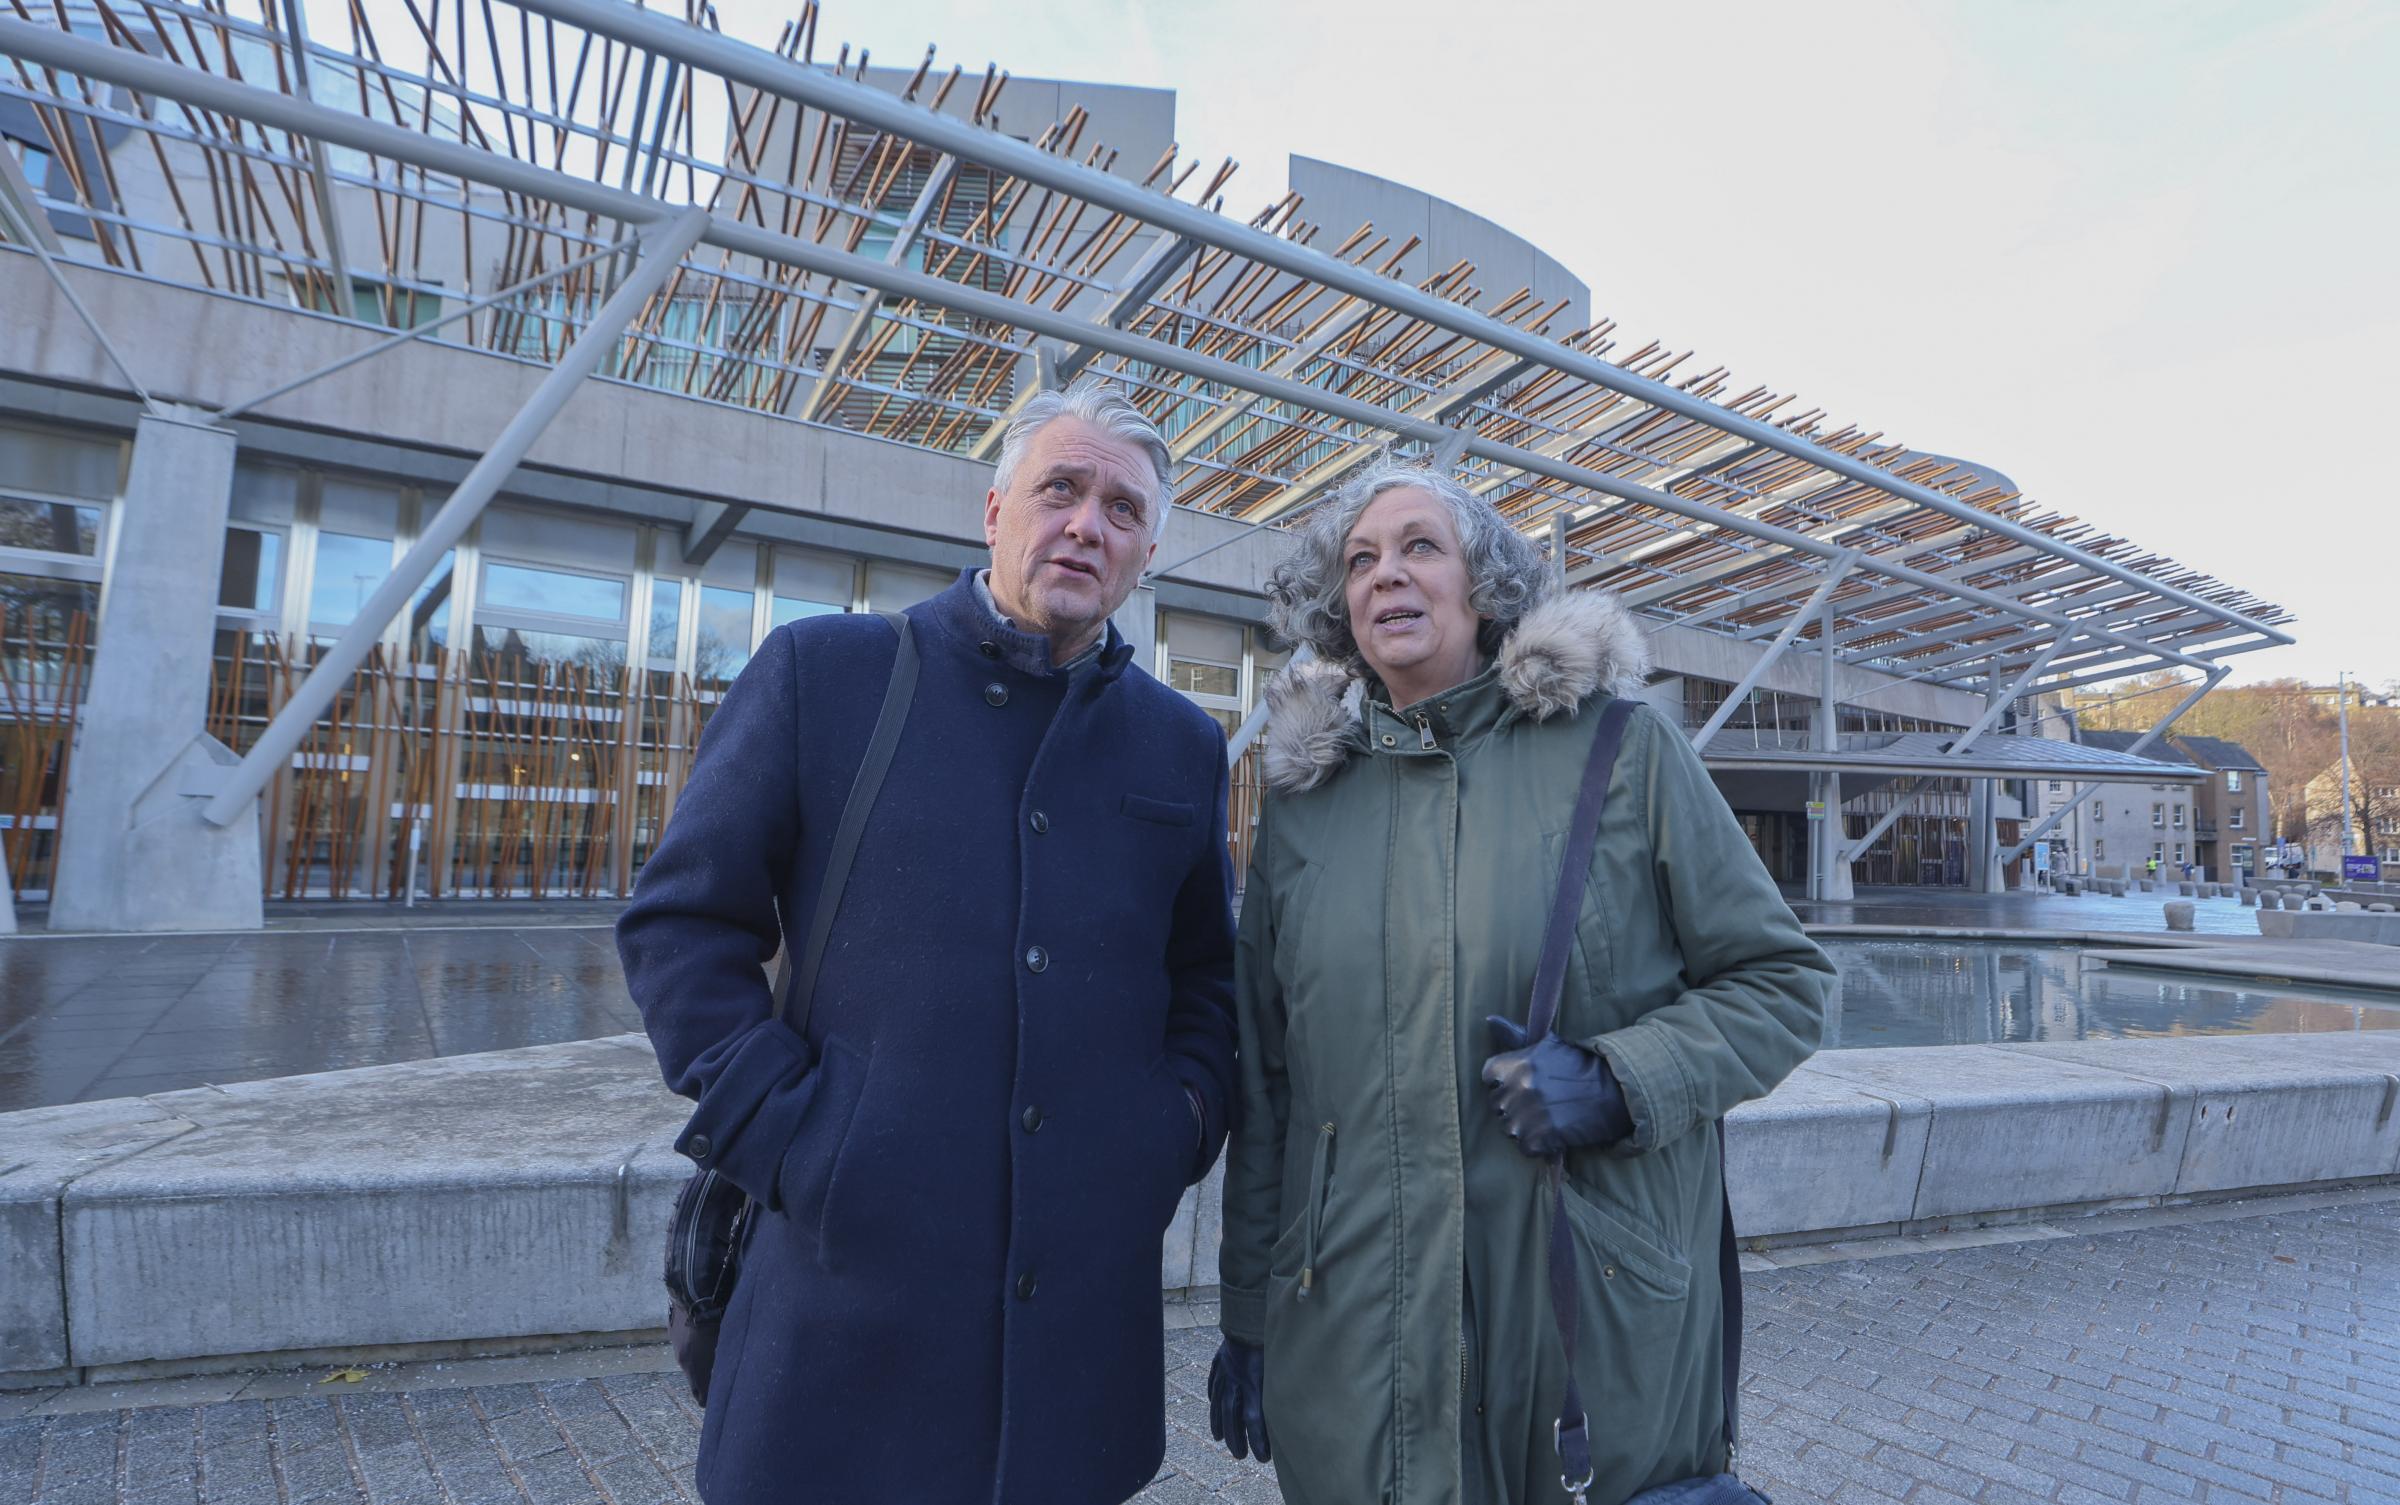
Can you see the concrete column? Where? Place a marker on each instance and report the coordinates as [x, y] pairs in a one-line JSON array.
[[1983, 839], [8, 897], [134, 853], [1837, 886], [1137, 620]]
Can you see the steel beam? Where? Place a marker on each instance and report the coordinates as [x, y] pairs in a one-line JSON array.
[[23, 207], [369, 352], [904, 240], [133, 70], [2207, 683], [1164, 258], [320, 172], [663, 248], [1766, 660]]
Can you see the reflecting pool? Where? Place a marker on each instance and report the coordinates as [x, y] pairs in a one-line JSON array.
[[1991, 992]]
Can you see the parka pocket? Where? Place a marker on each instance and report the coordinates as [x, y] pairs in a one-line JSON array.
[[1294, 1256], [1616, 1245]]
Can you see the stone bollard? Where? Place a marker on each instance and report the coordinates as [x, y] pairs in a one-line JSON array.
[[2179, 914], [2186, 888], [2116, 890], [2343, 906], [2249, 901], [2379, 909], [2293, 901]]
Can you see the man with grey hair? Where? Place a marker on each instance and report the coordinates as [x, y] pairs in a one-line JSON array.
[[965, 1140]]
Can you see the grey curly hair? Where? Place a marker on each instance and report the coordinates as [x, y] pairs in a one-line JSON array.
[[1507, 576], [1105, 407]]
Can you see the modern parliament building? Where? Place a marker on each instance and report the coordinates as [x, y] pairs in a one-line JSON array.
[[411, 419]]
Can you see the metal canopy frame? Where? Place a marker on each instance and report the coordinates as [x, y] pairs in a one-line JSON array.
[[1273, 365]]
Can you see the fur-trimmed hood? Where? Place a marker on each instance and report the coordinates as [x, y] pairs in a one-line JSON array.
[[1564, 651]]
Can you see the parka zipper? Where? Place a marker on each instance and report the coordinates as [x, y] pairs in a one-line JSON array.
[[1319, 1165], [1425, 733]]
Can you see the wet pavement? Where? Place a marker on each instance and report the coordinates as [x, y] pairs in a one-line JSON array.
[[90, 1017]]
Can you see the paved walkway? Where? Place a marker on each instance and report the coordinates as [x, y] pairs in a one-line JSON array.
[[2246, 1354]]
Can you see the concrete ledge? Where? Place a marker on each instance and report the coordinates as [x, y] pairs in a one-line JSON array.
[[495, 1199], [2335, 925]]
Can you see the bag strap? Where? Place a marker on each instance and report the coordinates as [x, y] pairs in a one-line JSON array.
[[1571, 1433], [796, 987]]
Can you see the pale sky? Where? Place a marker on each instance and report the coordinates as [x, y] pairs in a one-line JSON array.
[[2138, 255]]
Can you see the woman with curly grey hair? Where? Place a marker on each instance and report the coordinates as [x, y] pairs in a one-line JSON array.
[[1388, 1333]]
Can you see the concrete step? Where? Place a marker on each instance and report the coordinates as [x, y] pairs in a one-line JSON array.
[[522, 1194]]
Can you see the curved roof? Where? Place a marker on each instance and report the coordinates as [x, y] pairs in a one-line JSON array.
[[891, 262]]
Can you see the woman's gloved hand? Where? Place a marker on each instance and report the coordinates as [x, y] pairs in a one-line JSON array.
[[1237, 1388], [1553, 1096]]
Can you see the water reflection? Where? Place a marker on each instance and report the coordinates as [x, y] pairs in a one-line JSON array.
[[1984, 993]]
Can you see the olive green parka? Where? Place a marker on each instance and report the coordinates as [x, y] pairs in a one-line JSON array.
[[1383, 1238]]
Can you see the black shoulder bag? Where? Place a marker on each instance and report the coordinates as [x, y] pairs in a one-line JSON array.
[[1572, 1430], [712, 1217]]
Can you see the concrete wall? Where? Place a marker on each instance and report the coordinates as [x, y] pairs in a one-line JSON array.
[[424, 411], [438, 1201]]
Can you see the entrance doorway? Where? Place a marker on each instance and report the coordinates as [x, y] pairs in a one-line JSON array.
[[1781, 840]]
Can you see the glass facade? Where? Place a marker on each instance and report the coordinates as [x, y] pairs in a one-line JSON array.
[[524, 728]]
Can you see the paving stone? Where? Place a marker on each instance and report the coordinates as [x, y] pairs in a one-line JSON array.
[[2234, 1359]]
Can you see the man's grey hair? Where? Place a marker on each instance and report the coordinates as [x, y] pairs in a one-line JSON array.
[[1506, 575], [1105, 407]]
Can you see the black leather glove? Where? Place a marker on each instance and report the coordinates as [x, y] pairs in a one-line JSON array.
[[1237, 1388], [1552, 1095]]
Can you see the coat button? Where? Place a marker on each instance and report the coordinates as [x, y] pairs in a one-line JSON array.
[[1040, 822], [699, 1147], [1025, 1288], [995, 693], [1390, 741], [1037, 960], [1032, 1120], [988, 650]]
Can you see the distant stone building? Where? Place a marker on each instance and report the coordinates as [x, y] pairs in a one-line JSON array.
[[2119, 830], [2233, 823]]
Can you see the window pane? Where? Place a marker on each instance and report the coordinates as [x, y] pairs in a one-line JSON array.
[[813, 577], [893, 586], [554, 591], [666, 611], [724, 633], [50, 527], [39, 620], [507, 655], [784, 609], [253, 563], [348, 570], [1204, 679]]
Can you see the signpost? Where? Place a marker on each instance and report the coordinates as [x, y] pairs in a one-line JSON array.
[[2362, 870]]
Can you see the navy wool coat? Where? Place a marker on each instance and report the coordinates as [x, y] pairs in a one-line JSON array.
[[969, 1154]]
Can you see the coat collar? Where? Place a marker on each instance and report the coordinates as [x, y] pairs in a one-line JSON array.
[[966, 612], [1569, 648]]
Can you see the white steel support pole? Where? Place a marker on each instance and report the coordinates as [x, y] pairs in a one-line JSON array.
[[134, 70], [864, 105], [2209, 682], [1834, 880], [320, 171], [1791, 629], [663, 247], [1256, 721]]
